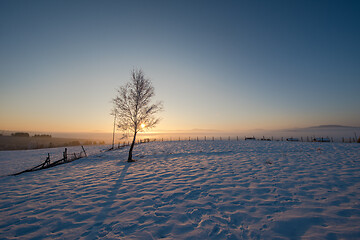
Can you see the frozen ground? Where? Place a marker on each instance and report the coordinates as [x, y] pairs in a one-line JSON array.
[[191, 190], [16, 161]]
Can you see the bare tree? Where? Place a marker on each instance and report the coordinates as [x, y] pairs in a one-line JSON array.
[[134, 107]]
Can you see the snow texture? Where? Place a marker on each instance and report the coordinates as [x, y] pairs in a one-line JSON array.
[[191, 190]]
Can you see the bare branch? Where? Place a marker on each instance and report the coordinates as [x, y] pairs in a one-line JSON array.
[[133, 105]]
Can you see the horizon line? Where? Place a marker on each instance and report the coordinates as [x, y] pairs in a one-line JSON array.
[[194, 130]]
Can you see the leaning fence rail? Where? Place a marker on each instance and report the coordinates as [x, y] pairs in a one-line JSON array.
[[67, 157]]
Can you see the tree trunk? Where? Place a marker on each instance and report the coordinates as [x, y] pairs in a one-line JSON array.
[[131, 149]]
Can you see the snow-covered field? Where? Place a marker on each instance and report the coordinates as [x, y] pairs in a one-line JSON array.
[[16, 161], [191, 190]]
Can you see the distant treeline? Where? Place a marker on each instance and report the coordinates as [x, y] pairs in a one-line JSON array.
[[42, 136], [25, 134], [20, 134]]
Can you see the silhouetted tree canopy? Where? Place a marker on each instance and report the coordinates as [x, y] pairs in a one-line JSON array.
[[134, 107]]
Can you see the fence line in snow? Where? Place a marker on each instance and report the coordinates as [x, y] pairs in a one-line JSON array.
[[237, 138]]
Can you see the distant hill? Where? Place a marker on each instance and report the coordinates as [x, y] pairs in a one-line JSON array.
[[331, 126], [324, 128]]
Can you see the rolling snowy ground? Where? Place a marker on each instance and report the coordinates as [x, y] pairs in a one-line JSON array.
[[191, 190]]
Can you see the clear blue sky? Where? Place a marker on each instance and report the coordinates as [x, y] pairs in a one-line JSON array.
[[225, 65]]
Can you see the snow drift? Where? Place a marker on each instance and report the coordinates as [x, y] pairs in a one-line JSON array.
[[191, 190]]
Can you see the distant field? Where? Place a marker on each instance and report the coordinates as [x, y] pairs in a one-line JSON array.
[[23, 143]]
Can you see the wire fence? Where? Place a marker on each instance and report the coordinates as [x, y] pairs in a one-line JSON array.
[[237, 138]]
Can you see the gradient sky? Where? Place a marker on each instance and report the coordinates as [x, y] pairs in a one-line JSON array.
[[224, 65]]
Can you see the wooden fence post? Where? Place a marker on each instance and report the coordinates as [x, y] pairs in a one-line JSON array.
[[84, 150], [47, 161], [65, 154]]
